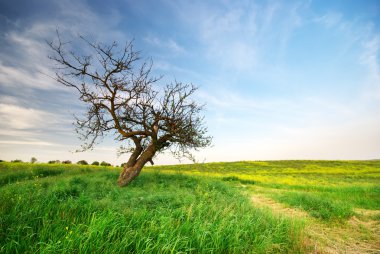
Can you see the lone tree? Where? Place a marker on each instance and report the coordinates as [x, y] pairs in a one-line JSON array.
[[126, 100], [33, 160]]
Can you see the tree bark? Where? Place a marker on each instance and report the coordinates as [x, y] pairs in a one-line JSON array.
[[136, 153], [130, 172]]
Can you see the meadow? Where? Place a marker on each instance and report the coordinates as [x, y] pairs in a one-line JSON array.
[[197, 208]]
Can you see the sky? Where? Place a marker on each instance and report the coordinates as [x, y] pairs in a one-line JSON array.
[[280, 79]]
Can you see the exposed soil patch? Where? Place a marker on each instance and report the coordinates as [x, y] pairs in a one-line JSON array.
[[361, 234]]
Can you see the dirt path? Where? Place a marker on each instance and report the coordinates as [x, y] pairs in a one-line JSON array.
[[361, 234]]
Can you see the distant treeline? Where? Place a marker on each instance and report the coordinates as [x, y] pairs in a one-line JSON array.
[[81, 162]]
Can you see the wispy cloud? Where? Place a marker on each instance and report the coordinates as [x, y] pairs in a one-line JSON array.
[[24, 77], [170, 44], [370, 58], [227, 99], [19, 118], [32, 107], [329, 19], [28, 143], [235, 36]]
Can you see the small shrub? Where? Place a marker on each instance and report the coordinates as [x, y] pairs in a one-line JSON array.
[[66, 162], [54, 162], [82, 162], [230, 179], [17, 160], [95, 163], [237, 179], [243, 181]]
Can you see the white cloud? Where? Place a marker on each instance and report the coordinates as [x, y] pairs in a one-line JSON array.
[[170, 44], [222, 33], [30, 143], [223, 99], [236, 36], [16, 77], [370, 58], [27, 63], [329, 19], [19, 118]]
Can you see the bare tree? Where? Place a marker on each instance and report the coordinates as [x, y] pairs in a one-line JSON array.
[[126, 100]]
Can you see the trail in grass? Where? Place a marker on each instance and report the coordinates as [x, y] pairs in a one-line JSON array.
[[360, 234], [277, 208]]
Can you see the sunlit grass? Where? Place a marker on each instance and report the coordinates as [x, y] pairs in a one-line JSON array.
[[81, 210], [321, 173], [316, 205], [199, 208], [328, 185]]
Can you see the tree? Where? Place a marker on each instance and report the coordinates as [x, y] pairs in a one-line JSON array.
[[82, 162], [66, 162], [105, 164], [95, 163], [33, 160], [124, 99]]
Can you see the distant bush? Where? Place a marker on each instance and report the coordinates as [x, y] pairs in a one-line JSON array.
[[123, 164], [82, 162], [66, 162], [17, 160], [96, 163], [33, 160], [230, 178], [54, 162], [105, 163], [1, 160], [237, 179]]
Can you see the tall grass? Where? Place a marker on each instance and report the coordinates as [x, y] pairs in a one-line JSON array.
[[77, 211], [14, 172], [185, 208]]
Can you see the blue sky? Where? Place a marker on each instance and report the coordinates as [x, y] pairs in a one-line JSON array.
[[281, 79]]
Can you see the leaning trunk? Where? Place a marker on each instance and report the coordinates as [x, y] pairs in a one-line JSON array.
[[130, 171], [128, 174]]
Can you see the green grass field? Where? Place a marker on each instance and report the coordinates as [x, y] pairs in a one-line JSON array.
[[199, 208]]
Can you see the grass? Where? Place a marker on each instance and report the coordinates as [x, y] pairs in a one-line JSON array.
[[328, 190], [302, 174], [15, 172], [317, 205], [79, 209], [199, 208]]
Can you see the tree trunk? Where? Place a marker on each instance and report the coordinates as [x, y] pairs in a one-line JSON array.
[[130, 172]]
